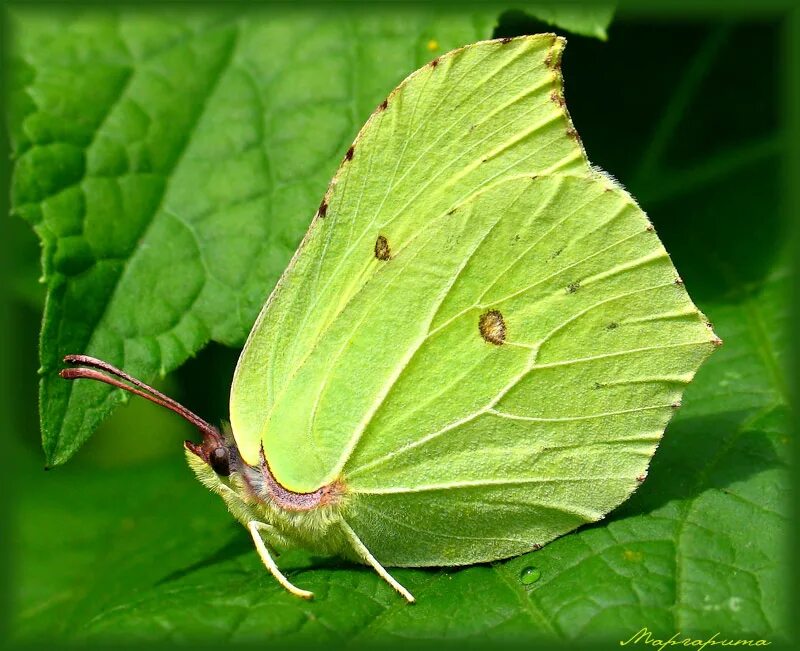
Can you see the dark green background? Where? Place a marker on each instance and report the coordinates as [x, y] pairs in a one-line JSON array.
[[690, 114]]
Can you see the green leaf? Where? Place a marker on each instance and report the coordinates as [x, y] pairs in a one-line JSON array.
[[586, 18], [144, 553], [170, 164]]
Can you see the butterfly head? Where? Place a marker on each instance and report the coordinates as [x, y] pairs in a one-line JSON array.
[[214, 450]]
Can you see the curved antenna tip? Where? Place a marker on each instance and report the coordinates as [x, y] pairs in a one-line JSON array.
[[96, 369]]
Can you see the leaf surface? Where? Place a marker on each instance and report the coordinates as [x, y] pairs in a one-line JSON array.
[[587, 19], [170, 164]]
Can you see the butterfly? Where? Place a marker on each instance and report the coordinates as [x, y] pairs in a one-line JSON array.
[[475, 349]]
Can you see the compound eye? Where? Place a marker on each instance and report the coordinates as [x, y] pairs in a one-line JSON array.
[[219, 460]]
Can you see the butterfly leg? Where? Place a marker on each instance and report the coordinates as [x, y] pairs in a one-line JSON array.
[[254, 526], [368, 558]]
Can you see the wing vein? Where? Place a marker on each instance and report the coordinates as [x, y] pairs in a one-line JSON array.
[[415, 346], [499, 396], [478, 483]]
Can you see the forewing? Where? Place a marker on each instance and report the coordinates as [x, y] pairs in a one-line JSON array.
[[467, 121]]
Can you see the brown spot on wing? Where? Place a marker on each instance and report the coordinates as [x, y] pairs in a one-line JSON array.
[[382, 250], [323, 209], [553, 58], [492, 327], [350, 152], [384, 105]]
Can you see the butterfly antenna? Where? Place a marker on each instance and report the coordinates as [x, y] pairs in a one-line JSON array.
[[108, 374]]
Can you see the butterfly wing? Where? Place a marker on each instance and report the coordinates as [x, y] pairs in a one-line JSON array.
[[469, 119], [482, 338], [557, 342]]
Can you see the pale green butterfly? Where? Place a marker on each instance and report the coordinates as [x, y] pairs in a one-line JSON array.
[[475, 349]]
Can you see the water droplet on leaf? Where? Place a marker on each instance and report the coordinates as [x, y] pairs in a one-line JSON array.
[[530, 575]]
